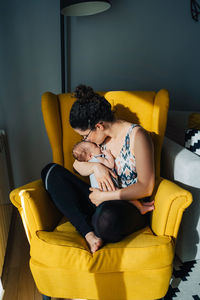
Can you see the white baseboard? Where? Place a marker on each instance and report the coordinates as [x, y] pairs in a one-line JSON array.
[[1, 290]]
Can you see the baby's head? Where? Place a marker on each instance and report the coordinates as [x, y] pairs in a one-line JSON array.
[[83, 151]]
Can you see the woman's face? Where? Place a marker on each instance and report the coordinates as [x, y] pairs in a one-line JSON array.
[[96, 135]]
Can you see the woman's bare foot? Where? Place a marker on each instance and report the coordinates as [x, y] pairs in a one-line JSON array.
[[94, 242], [146, 207]]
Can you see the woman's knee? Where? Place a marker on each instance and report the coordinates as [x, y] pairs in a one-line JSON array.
[[45, 170]]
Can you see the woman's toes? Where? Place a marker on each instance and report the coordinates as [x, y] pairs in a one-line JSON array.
[[148, 203], [146, 209], [97, 244], [94, 248]]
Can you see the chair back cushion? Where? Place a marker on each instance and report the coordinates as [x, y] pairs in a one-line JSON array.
[[149, 109]]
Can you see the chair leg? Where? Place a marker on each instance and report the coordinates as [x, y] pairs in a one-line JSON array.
[[44, 297]]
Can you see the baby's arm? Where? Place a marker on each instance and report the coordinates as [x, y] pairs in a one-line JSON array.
[[108, 160]]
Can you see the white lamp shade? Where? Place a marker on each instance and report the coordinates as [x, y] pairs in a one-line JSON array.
[[84, 8]]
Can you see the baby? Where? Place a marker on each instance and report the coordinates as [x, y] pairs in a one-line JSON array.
[[90, 152]]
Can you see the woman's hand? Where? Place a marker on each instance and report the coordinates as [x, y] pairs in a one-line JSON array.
[[103, 177], [96, 196]]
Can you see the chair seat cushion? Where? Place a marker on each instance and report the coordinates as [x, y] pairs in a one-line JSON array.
[[66, 248]]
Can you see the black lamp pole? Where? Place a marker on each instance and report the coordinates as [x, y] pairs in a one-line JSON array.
[[62, 46], [65, 31], [74, 8]]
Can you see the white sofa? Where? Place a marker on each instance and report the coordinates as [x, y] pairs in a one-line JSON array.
[[183, 167]]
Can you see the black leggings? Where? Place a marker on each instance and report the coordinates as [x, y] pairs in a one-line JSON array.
[[111, 220]]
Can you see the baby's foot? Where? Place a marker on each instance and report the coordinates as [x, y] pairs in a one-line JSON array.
[[94, 242], [146, 207]]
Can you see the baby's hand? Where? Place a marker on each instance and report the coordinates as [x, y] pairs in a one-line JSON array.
[[106, 152], [110, 158]]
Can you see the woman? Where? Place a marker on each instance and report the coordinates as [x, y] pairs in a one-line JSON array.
[[106, 214]]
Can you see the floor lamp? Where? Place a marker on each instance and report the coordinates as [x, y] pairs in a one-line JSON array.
[[71, 8], [195, 9]]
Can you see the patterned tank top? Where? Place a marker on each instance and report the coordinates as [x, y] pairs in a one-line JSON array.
[[125, 164]]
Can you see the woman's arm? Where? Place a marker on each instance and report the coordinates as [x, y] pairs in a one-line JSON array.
[[144, 154], [101, 172]]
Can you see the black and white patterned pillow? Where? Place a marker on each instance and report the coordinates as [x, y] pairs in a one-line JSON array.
[[192, 140]]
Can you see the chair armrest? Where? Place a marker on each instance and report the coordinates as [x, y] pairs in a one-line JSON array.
[[35, 207], [180, 164], [170, 203]]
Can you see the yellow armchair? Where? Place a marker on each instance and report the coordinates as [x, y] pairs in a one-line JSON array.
[[138, 267]]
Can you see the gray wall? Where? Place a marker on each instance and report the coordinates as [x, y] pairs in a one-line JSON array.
[[140, 45], [136, 45], [30, 65]]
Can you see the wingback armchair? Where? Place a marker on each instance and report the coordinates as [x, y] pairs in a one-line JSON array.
[[138, 267]]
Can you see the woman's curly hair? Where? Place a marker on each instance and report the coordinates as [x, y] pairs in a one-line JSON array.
[[89, 109]]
